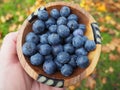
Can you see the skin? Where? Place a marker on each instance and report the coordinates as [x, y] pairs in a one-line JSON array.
[[12, 75]]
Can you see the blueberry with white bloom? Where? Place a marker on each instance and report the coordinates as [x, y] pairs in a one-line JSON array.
[[65, 11], [38, 26], [36, 59], [55, 13]]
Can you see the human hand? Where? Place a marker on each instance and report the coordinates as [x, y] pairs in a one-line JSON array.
[[12, 75]]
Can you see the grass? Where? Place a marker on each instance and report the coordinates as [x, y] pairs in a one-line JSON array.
[[113, 79]]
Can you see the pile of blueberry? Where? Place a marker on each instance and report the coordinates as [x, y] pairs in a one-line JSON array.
[[57, 42]]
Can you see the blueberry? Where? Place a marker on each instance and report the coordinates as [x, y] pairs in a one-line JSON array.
[[72, 61], [49, 67], [49, 22], [61, 21], [69, 39], [45, 49], [82, 61], [55, 13], [77, 41], [43, 14], [36, 59], [58, 64], [57, 49], [78, 32], [49, 57], [90, 45], [72, 24], [63, 31], [69, 48], [29, 48], [63, 57], [73, 17], [82, 27], [53, 28], [32, 37], [65, 11], [44, 38], [38, 26], [81, 51], [54, 39], [85, 38], [66, 70]]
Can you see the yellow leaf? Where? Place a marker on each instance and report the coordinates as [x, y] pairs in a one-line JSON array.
[[71, 87], [2, 19], [12, 28], [101, 7], [21, 18], [111, 70], [108, 18]]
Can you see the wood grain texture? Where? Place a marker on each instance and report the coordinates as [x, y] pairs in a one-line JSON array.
[[79, 74]]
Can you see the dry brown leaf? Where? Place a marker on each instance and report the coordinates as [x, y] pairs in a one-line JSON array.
[[101, 19], [105, 49], [17, 13], [12, 28], [5, 1], [118, 26], [71, 87], [113, 57], [21, 18], [111, 70], [2, 19], [19, 26], [111, 46], [103, 29], [118, 49], [111, 32], [104, 80], [8, 16], [90, 83]]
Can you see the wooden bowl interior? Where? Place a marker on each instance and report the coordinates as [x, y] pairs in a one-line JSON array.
[[89, 33]]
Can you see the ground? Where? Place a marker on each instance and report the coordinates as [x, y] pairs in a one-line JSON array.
[[107, 73]]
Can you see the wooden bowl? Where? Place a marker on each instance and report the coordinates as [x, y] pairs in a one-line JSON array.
[[58, 80]]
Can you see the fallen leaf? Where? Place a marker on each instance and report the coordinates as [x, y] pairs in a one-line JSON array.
[[2, 19], [101, 20], [104, 80], [91, 83], [19, 26], [12, 27], [101, 7], [105, 49], [71, 87], [21, 18], [118, 49], [118, 26], [106, 71], [111, 46], [17, 13], [8, 16], [103, 29], [111, 70], [113, 57], [111, 32], [108, 18]]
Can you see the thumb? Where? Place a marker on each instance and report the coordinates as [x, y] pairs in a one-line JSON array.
[[8, 48]]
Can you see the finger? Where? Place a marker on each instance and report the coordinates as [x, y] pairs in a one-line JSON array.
[[35, 86], [45, 87], [8, 48], [42, 86]]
